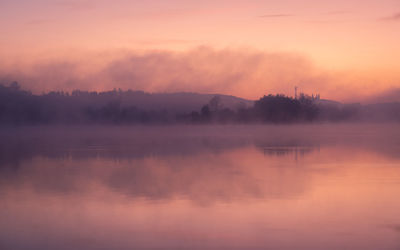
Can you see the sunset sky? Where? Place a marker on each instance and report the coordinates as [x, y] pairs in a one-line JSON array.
[[342, 49]]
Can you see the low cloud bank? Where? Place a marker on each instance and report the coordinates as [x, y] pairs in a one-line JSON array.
[[244, 73]]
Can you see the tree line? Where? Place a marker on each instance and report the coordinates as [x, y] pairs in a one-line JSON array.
[[19, 106]]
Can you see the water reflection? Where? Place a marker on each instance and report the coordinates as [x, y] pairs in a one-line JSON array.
[[200, 188], [203, 178]]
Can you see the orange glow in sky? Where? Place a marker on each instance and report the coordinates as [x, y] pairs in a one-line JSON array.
[[356, 41]]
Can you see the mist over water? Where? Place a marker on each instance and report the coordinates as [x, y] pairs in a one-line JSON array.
[[170, 124], [200, 187]]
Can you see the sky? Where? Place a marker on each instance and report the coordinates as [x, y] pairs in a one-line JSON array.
[[342, 49]]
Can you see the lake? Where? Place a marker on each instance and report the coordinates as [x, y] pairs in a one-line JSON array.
[[200, 187]]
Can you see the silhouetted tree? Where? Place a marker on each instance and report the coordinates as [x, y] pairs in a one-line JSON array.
[[277, 108], [22, 107], [215, 104], [205, 113]]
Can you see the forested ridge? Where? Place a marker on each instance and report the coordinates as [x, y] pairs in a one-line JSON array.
[[19, 106]]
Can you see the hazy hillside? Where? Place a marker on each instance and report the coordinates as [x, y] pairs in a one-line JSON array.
[[327, 102], [178, 102], [123, 107]]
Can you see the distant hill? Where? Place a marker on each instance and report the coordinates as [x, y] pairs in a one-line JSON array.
[[327, 102], [382, 111], [182, 102], [124, 107], [377, 112]]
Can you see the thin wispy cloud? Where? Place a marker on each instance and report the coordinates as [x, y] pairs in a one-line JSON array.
[[326, 21], [394, 17], [163, 41], [334, 16], [338, 12], [275, 15], [75, 5], [394, 227], [38, 21]]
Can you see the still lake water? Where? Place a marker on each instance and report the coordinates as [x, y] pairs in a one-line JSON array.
[[200, 187]]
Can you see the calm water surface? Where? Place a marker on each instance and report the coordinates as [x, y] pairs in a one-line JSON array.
[[211, 187]]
